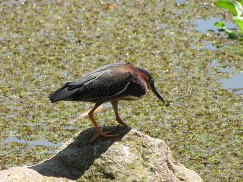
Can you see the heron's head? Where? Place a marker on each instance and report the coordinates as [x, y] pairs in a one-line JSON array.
[[150, 83]]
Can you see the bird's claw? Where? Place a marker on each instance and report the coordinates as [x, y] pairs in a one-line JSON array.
[[104, 134], [109, 132]]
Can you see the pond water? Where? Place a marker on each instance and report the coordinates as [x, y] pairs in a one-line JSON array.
[[205, 25], [209, 45], [234, 83], [181, 1], [43, 142]]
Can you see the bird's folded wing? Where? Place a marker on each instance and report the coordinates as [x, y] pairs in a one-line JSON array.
[[102, 87], [95, 74], [101, 84]]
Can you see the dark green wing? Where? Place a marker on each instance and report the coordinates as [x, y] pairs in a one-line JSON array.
[[99, 86]]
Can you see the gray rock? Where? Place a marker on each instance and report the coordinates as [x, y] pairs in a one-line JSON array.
[[131, 156]]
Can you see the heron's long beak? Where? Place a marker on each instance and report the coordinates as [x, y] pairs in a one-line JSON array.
[[155, 91]]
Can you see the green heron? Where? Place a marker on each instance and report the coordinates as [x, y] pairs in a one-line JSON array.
[[109, 83]]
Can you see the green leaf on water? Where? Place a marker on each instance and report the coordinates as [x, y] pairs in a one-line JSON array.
[[232, 34], [219, 46], [232, 5], [239, 22], [219, 24], [241, 2]]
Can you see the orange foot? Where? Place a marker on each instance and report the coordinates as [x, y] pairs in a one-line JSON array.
[[107, 134]]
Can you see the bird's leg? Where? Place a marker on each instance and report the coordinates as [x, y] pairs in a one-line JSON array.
[[101, 108], [118, 119], [98, 130]]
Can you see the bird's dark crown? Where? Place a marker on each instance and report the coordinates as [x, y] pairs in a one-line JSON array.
[[146, 73]]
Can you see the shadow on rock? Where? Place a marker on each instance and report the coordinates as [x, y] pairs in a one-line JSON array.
[[78, 155]]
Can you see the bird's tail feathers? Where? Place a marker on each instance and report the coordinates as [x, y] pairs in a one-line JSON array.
[[62, 93]]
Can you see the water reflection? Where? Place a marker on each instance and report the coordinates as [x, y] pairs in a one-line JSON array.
[[209, 46], [180, 1], [235, 83], [204, 26], [32, 143]]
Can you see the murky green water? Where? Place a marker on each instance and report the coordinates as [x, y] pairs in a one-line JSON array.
[[46, 43]]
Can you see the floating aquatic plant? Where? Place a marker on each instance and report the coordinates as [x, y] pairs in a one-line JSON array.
[[235, 7]]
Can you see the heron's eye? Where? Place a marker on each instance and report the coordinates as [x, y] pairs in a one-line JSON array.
[[151, 80]]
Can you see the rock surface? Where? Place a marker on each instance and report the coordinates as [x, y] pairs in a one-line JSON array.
[[131, 156]]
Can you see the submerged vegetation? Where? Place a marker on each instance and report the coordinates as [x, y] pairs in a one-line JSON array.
[[46, 43]]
